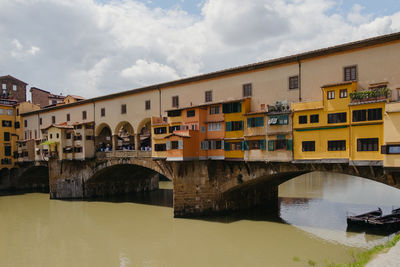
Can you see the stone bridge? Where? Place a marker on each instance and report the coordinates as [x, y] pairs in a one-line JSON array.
[[199, 187]]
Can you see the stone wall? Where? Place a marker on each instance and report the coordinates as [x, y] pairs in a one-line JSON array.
[[26, 176]]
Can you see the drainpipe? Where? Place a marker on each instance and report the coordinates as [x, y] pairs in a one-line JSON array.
[[299, 63], [159, 99]]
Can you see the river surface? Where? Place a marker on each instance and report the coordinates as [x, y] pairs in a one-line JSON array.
[[308, 227]]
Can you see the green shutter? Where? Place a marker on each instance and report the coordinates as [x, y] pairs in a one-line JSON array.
[[240, 107], [241, 145], [227, 146], [168, 145], [259, 121], [271, 145], [262, 144], [289, 144], [241, 125], [228, 126], [246, 145]]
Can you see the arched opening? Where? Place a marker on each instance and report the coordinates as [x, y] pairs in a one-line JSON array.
[[35, 178], [103, 138], [144, 138], [129, 183], [125, 136]]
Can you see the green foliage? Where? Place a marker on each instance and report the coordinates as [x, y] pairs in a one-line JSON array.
[[370, 94], [296, 258], [311, 263], [361, 259]]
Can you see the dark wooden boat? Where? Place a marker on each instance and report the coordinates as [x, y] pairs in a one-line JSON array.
[[387, 223], [362, 219]]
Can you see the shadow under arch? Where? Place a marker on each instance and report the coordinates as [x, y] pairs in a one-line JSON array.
[[103, 136], [144, 131], [35, 178], [125, 136]]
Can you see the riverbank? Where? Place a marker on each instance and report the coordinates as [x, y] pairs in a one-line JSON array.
[[386, 255]]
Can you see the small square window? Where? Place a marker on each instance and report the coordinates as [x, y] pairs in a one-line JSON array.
[[343, 93], [331, 94], [123, 109], [247, 89], [303, 119], [314, 118], [294, 82], [350, 73], [208, 96], [147, 105]]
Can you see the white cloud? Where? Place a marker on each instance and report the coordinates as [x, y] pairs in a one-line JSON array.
[[87, 48], [146, 73]]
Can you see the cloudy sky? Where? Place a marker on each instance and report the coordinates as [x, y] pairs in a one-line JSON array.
[[96, 47]]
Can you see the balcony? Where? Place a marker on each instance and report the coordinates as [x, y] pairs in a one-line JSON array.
[[372, 95]]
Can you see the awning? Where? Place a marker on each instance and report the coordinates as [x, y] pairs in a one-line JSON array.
[[48, 143]]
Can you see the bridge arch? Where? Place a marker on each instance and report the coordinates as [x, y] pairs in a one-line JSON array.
[[124, 133], [103, 137], [144, 134]]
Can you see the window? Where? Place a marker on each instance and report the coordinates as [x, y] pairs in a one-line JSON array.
[[337, 145], [391, 149], [256, 144], [208, 96], [190, 113], [234, 126], [9, 112], [280, 144], [303, 119], [247, 88], [58, 135], [51, 136], [174, 113], [175, 101], [16, 125], [359, 115], [214, 110], [174, 144], [123, 109], [78, 149], [204, 145], [7, 150], [337, 117], [235, 146], [314, 118], [174, 128], [79, 126], [233, 107], [6, 123], [53, 119], [84, 115], [4, 86], [68, 117], [160, 147], [255, 122], [6, 136], [53, 102], [147, 105], [350, 73], [89, 137], [214, 126], [40, 121], [294, 82], [367, 144], [215, 144], [25, 123], [343, 93], [331, 95], [35, 134], [103, 112], [1, 111], [203, 129], [374, 114], [17, 112], [14, 87], [68, 136], [77, 137], [160, 130], [308, 146]]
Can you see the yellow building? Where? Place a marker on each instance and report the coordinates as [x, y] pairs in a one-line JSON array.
[[391, 147], [8, 144], [347, 126], [234, 111], [254, 136]]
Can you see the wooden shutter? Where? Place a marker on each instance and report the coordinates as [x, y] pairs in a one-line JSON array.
[[246, 145], [227, 146], [262, 144], [228, 126], [180, 144], [168, 145], [289, 144]]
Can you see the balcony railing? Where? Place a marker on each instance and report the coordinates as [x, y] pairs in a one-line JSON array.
[[370, 95]]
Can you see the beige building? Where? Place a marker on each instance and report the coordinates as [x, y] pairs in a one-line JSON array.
[[293, 79]]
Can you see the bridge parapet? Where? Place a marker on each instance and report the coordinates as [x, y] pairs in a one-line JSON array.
[[123, 154]]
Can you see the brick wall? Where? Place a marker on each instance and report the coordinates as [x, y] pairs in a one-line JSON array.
[[40, 97], [19, 94]]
